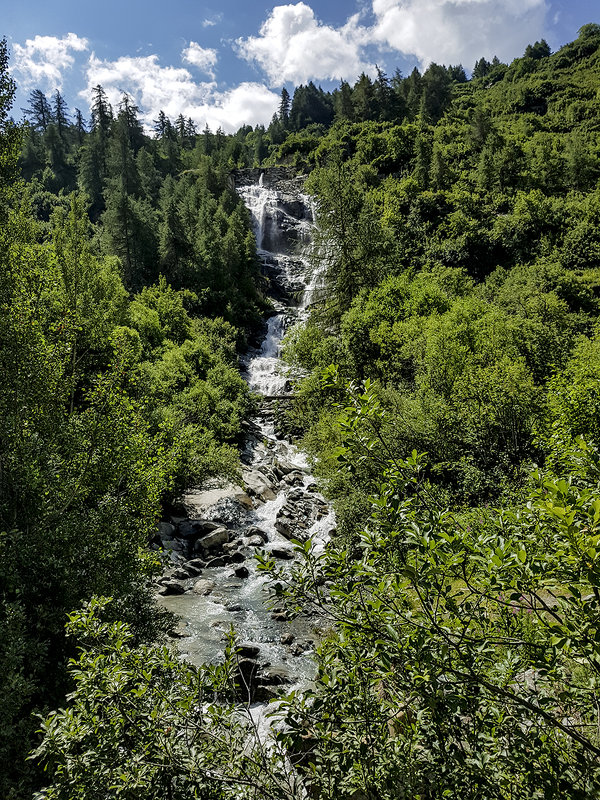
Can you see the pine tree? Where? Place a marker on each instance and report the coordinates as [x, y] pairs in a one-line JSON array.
[[101, 112], [128, 119], [413, 90], [160, 125], [180, 130], [422, 159], [284, 107], [481, 68], [191, 131], [383, 97], [363, 98], [92, 173], [342, 101], [80, 126], [38, 112], [538, 50], [439, 170], [207, 140], [60, 113], [437, 92], [174, 248], [457, 73]]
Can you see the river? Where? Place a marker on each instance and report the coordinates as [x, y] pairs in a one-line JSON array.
[[281, 499]]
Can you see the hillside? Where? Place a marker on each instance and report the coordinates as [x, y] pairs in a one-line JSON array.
[[445, 386]]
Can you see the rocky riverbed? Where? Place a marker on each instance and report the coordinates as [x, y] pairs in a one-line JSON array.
[[210, 538]]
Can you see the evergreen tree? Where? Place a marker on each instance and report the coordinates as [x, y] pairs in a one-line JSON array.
[[384, 98], [364, 99], [38, 112], [80, 126], [486, 170], [180, 130], [413, 90], [101, 112], [422, 159], [56, 158], [10, 135], [284, 107], [207, 140], [342, 101], [437, 92], [149, 176], [439, 170], [122, 169], [310, 105], [481, 68], [33, 156], [481, 126], [92, 171], [128, 119], [457, 73], [161, 125], [60, 113], [174, 248], [191, 131], [538, 50]]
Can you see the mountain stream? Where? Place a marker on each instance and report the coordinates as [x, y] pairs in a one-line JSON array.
[[213, 581]]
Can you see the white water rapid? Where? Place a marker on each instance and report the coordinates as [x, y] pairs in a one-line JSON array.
[[280, 501]]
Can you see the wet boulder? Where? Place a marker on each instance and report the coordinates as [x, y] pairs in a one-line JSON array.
[[195, 528], [201, 503], [241, 572], [203, 587], [171, 587], [219, 561], [257, 484], [247, 650], [253, 530], [212, 541], [282, 553], [254, 541]]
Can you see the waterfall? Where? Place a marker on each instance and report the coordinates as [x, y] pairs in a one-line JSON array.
[[285, 503]]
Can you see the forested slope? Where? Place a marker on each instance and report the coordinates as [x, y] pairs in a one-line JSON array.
[[446, 386], [128, 283]]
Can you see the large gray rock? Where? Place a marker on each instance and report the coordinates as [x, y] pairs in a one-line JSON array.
[[204, 586], [282, 553], [166, 530], [254, 541], [212, 541], [171, 587], [194, 528], [172, 544], [257, 484], [253, 530], [197, 501]]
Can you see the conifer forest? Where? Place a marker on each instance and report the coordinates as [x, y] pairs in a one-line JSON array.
[[336, 378]]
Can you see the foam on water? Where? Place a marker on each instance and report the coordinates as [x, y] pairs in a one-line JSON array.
[[242, 602]]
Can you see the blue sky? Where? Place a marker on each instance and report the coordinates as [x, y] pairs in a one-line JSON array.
[[225, 62]]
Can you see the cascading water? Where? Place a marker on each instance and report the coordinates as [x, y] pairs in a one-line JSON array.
[[285, 503]]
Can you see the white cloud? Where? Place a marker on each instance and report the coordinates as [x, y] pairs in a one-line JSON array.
[[209, 22], [41, 61], [294, 46], [202, 57], [174, 91], [458, 31]]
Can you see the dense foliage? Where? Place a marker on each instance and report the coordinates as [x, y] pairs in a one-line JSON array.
[[120, 375], [461, 272], [461, 259]]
